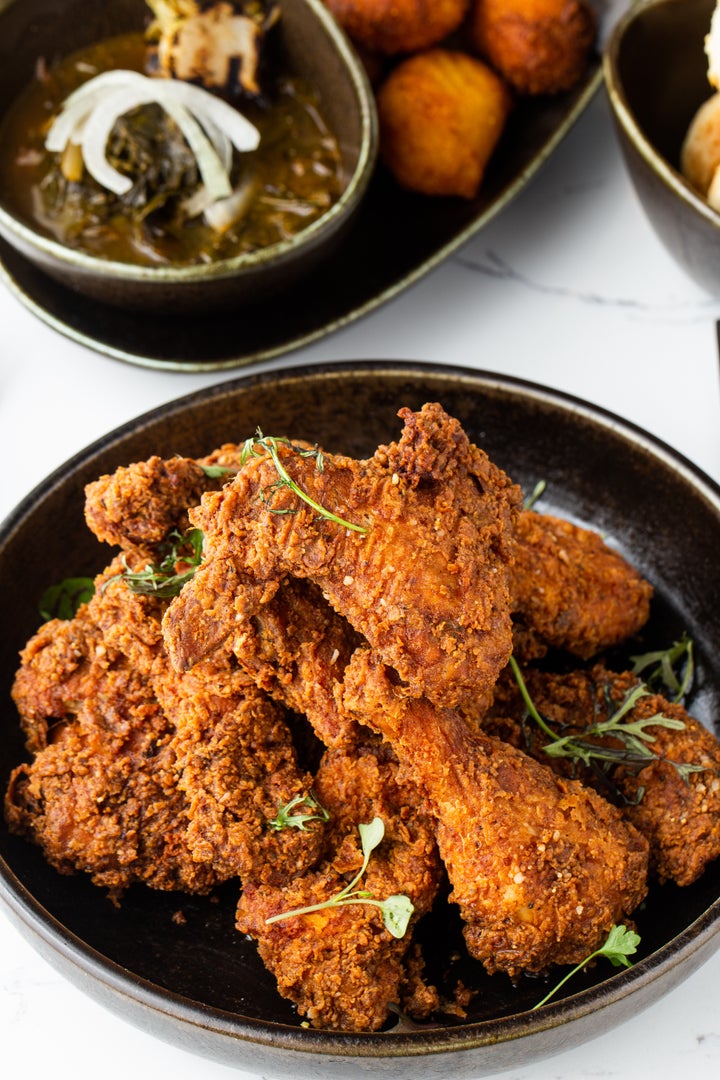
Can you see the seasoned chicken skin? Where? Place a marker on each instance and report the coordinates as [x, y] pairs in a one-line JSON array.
[[570, 590], [426, 585], [678, 811], [541, 867], [340, 965], [140, 775]]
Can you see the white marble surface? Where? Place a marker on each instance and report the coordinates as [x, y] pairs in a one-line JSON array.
[[568, 288]]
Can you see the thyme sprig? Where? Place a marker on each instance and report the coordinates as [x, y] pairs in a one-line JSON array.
[[671, 669], [285, 819], [166, 578], [260, 444], [618, 946], [396, 910], [634, 738]]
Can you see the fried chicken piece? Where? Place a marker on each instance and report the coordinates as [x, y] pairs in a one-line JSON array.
[[340, 965], [677, 811], [186, 772], [570, 590], [539, 46], [139, 505], [441, 115], [427, 583], [541, 867], [398, 26], [101, 794]]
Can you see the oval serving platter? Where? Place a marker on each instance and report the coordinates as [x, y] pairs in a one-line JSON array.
[[196, 982], [396, 239]]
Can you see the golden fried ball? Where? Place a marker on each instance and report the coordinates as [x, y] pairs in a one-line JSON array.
[[539, 46], [398, 26], [441, 114]]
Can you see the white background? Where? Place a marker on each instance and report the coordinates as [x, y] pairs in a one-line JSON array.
[[568, 288]]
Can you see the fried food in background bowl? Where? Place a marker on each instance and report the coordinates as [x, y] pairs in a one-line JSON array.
[[446, 75], [441, 114], [539, 46], [398, 26]]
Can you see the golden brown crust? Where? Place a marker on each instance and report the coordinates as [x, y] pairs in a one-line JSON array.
[[679, 815], [340, 966], [540, 866], [398, 26], [539, 46], [441, 115], [427, 584], [571, 590]]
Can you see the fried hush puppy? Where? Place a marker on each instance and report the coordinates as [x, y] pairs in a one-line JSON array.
[[539, 46], [391, 27], [441, 115]]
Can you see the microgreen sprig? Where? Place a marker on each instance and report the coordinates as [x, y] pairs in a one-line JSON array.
[[672, 669], [164, 579], [62, 601], [534, 495], [635, 739], [285, 819], [261, 444], [214, 472], [396, 910], [619, 945]]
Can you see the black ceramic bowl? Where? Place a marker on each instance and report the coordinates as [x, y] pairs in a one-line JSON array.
[[656, 74], [200, 985], [310, 45]]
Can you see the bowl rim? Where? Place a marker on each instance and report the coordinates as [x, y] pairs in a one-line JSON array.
[[241, 265], [625, 116], [67, 948]]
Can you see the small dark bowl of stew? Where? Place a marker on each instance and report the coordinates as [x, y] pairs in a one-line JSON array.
[[180, 156]]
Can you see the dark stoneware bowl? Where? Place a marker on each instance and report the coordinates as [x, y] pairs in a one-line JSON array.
[[656, 74], [313, 47], [201, 985]]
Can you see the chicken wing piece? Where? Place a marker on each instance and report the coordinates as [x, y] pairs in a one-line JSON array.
[[570, 590], [237, 767], [541, 867], [340, 965], [140, 774], [672, 797], [101, 794], [139, 505], [426, 584]]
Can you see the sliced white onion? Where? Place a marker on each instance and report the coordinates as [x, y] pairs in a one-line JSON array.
[[222, 213], [209, 125], [96, 132], [214, 176]]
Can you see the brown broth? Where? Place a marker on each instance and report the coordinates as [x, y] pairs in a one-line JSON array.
[[297, 170]]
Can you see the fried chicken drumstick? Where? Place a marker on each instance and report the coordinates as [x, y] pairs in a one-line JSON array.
[[541, 867], [672, 797]]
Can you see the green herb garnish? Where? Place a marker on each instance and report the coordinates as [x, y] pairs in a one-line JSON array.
[[634, 738], [62, 601], [165, 579], [671, 669], [214, 472], [285, 819], [534, 495], [620, 944], [396, 910], [261, 444]]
